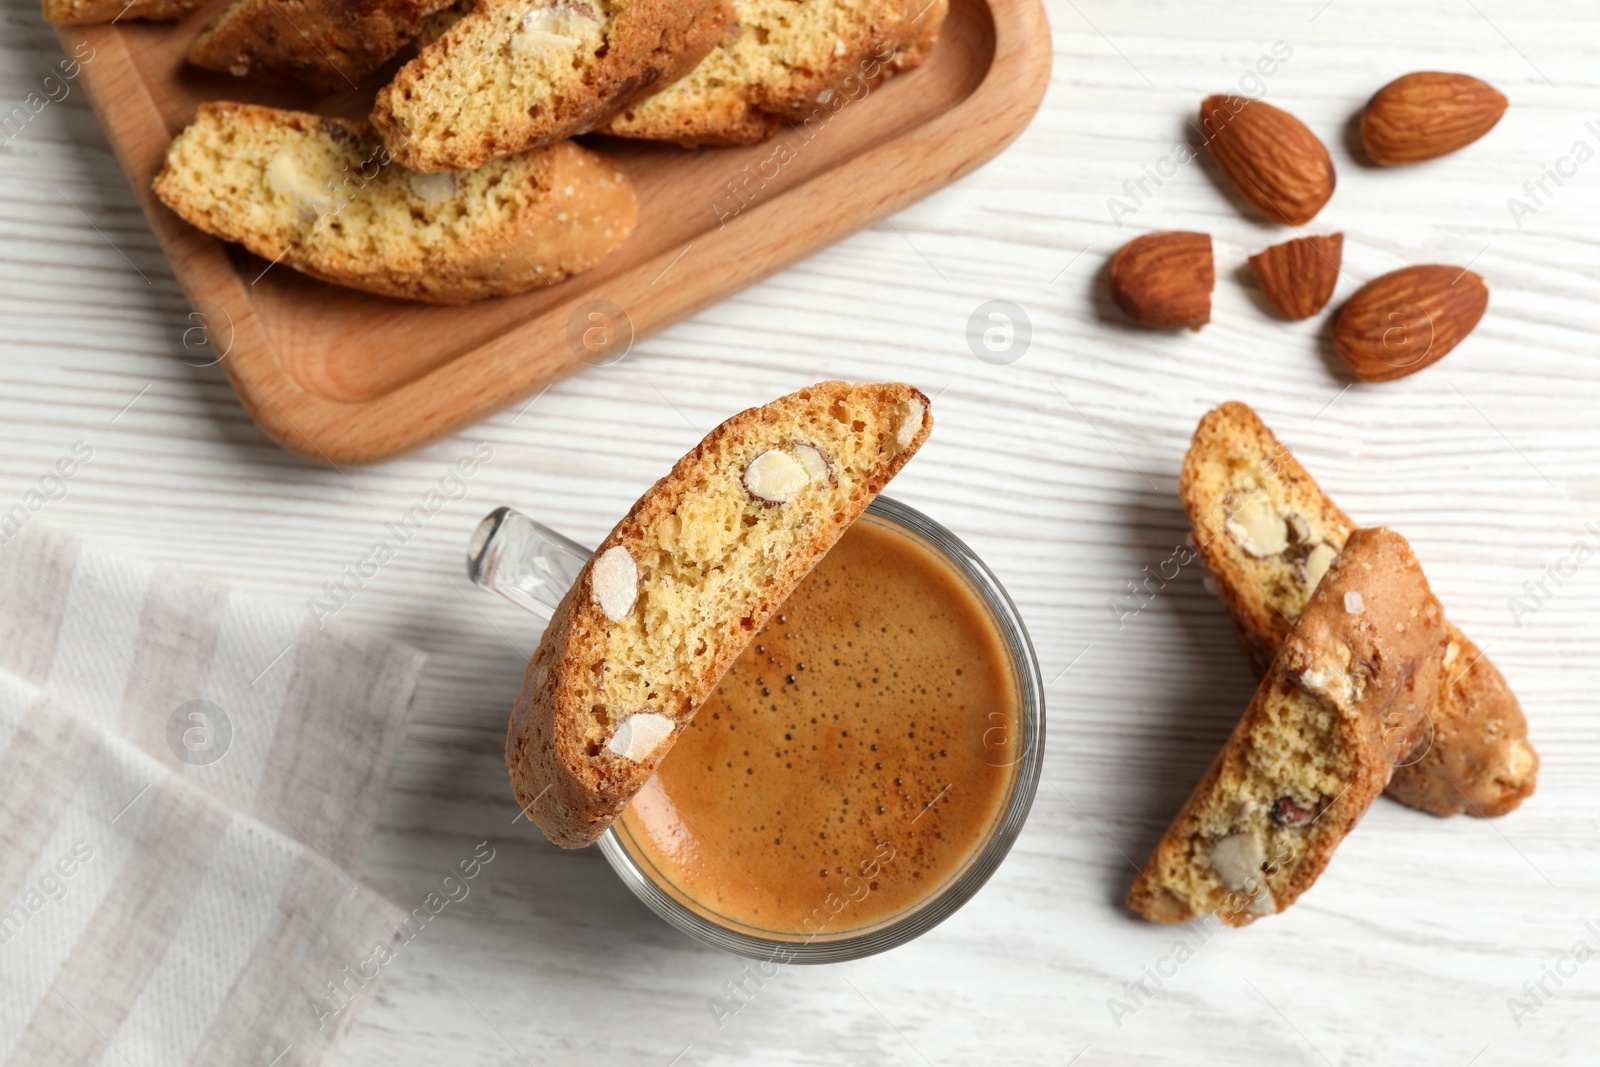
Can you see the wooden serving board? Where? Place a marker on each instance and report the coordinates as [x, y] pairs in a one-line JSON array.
[[340, 376]]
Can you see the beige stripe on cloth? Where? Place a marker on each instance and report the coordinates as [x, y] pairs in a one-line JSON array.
[[309, 719], [142, 923], [187, 776]]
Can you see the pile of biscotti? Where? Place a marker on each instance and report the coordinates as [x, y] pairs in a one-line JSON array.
[[1365, 688], [465, 184]]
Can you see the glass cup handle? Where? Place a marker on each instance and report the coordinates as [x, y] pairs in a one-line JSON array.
[[524, 561]]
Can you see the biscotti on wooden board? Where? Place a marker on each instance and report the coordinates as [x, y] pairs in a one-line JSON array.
[[1347, 695], [785, 61], [85, 12], [326, 44], [510, 76], [320, 195], [1267, 534], [435, 25], [684, 582]]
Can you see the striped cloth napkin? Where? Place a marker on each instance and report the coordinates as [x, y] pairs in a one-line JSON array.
[[252, 702], [187, 777]]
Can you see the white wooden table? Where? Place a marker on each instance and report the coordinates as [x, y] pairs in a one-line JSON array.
[[1061, 468]]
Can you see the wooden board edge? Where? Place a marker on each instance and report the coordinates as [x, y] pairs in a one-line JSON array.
[[200, 263]]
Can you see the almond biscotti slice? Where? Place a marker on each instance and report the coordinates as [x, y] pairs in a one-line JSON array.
[[786, 61], [683, 583], [86, 12], [1267, 533], [513, 75], [1264, 528], [1349, 693], [326, 44], [321, 196]]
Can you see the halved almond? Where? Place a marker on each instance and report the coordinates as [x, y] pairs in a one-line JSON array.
[[1165, 279], [1299, 276]]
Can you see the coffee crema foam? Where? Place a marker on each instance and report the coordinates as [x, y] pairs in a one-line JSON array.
[[855, 757]]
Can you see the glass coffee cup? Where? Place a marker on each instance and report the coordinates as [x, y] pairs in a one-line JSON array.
[[904, 861]]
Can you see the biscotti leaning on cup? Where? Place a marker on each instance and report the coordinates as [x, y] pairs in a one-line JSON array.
[[682, 585], [781, 61], [320, 195], [1348, 694], [326, 44], [1267, 534], [511, 76]]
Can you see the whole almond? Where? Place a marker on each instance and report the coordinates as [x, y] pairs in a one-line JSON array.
[[1271, 157], [1298, 276], [1407, 320], [1427, 115], [1165, 279]]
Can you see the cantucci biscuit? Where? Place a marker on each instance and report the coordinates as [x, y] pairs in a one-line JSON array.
[[326, 44], [684, 582], [321, 196], [510, 75], [1267, 534], [1348, 694], [785, 61]]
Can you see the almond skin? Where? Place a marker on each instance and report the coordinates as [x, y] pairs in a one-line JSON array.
[[1407, 320], [1298, 276], [1165, 279], [1427, 115], [1273, 160]]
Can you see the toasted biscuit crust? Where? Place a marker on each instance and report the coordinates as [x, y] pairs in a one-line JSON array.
[[85, 12], [1477, 758], [326, 44], [472, 96], [1349, 692], [319, 195], [785, 62], [711, 566]]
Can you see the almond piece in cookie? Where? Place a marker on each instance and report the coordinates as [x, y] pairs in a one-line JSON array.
[[684, 582], [781, 61], [1351, 688], [321, 196], [511, 76], [1246, 495]]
